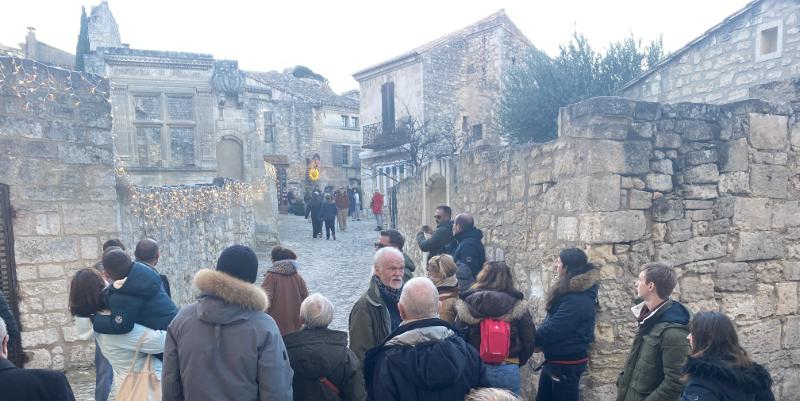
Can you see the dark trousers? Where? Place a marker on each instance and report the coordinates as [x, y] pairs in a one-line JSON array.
[[330, 228], [104, 375], [316, 225], [560, 382]]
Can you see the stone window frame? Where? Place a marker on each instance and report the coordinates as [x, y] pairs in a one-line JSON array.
[[166, 124], [774, 24], [270, 127], [345, 121], [354, 122]]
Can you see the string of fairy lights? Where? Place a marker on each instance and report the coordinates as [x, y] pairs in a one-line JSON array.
[[38, 85]]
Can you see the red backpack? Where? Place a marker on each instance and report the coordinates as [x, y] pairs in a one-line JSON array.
[[495, 340]]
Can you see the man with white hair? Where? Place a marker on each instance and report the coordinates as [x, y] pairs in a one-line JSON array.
[[324, 369], [423, 359], [375, 314], [29, 384]]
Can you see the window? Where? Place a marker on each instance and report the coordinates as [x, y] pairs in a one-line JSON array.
[[769, 41], [356, 158], [165, 129], [269, 126], [464, 124], [477, 131], [341, 155], [387, 107], [354, 122], [345, 121]]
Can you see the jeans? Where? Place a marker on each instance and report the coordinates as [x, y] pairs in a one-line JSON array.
[[560, 382], [104, 375], [379, 219], [504, 376], [330, 228]]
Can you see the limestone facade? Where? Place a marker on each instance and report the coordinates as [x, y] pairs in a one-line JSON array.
[[755, 45], [713, 190]]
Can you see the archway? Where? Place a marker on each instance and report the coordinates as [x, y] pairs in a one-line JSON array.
[[230, 159]]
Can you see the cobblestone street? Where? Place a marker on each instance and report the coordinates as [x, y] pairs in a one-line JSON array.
[[339, 269]]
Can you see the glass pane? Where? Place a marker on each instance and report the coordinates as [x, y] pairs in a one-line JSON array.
[[148, 146], [182, 144], [148, 108], [180, 108]]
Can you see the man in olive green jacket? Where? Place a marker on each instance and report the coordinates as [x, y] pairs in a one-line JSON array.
[[375, 314], [660, 348]]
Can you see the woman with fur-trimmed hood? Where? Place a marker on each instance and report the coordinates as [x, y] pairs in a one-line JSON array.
[[568, 329], [493, 296], [224, 347]]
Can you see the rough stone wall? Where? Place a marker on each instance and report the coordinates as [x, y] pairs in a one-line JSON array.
[[721, 67], [713, 190], [57, 158]]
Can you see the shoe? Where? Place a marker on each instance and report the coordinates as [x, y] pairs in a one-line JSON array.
[[334, 238]]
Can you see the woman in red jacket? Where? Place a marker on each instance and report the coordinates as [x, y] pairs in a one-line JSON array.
[[377, 209]]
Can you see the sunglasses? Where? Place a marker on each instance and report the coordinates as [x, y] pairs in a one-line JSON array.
[[378, 245]]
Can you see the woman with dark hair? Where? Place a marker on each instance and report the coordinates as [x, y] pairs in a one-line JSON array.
[[490, 301], [568, 329], [718, 368], [285, 290], [85, 300]]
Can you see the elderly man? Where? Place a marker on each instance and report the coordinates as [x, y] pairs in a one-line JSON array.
[[375, 314], [423, 359], [394, 239], [322, 364], [29, 384]]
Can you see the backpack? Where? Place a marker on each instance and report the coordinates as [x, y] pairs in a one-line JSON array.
[[495, 340]]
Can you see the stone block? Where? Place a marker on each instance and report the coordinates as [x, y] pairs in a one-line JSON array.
[[698, 157], [659, 232], [663, 166], [597, 127], [37, 338], [677, 236], [659, 182], [679, 225], [734, 183], [791, 270], [759, 245], [769, 181], [735, 156], [693, 250], [90, 248], [603, 156], [791, 332], [611, 227], [667, 140], [667, 209], [30, 250], [51, 271], [786, 214], [640, 200], [752, 214], [697, 204], [739, 306], [567, 228], [761, 336], [708, 228], [734, 277], [700, 215], [697, 130], [777, 158], [701, 174], [699, 191], [697, 288], [644, 129], [518, 187], [768, 131], [702, 267], [48, 224], [787, 298], [588, 193], [89, 218], [795, 135]]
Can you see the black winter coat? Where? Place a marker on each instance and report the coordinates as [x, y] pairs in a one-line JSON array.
[[32, 384], [141, 299], [439, 241], [14, 338], [328, 211], [511, 308], [568, 328], [717, 380], [469, 256], [314, 209], [321, 353], [423, 361]]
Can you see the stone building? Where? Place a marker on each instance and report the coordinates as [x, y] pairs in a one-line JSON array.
[[758, 44], [712, 189], [34, 49], [450, 84]]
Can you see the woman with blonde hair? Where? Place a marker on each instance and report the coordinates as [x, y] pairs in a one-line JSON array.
[[441, 270]]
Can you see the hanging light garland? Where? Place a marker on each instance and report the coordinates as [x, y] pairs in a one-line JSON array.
[[37, 83]]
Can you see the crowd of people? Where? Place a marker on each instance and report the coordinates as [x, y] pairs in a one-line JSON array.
[[461, 332]]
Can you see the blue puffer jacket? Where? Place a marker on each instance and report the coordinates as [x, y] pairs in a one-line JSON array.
[[568, 328], [138, 298], [328, 211]]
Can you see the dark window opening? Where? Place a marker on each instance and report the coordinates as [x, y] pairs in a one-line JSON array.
[[387, 107], [477, 131], [269, 126]]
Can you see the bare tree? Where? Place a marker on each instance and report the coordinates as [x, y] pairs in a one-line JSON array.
[[425, 140]]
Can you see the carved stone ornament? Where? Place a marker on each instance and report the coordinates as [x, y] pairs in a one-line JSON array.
[[228, 80]]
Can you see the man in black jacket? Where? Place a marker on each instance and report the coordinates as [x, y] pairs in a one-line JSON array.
[[440, 240], [469, 253], [423, 359], [147, 253], [29, 384]]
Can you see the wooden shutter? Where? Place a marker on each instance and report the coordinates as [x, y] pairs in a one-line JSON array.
[[8, 270]]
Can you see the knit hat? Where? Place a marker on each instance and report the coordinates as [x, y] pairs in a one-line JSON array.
[[239, 261]]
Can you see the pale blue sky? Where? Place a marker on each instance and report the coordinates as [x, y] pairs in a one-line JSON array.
[[338, 38]]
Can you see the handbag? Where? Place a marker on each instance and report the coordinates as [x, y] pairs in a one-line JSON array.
[[140, 386]]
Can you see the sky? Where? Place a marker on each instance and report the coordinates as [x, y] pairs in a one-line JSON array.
[[338, 38]]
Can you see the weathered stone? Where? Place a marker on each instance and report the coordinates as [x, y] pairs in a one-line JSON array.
[[644, 129], [640, 200], [659, 232], [777, 158], [697, 204], [89, 248], [752, 214], [697, 130], [699, 191], [787, 298], [604, 156], [668, 140], [567, 228], [706, 228], [768, 131], [739, 306], [735, 155], [734, 277], [761, 337], [664, 209], [46, 249], [701, 174], [34, 339], [769, 181], [48, 224], [759, 245], [659, 182], [697, 288], [791, 270], [89, 218], [700, 215], [662, 166], [701, 157], [678, 236], [786, 214], [795, 136], [702, 267], [768, 272], [679, 225], [791, 332], [598, 193], [734, 183], [610, 227], [694, 250], [51, 271]]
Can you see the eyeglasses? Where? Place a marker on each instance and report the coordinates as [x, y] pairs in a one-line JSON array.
[[378, 245]]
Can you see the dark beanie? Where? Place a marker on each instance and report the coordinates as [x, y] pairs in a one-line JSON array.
[[239, 261]]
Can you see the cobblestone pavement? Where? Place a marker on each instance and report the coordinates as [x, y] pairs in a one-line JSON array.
[[339, 269]]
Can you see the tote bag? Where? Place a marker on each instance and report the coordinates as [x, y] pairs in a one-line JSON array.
[[140, 386]]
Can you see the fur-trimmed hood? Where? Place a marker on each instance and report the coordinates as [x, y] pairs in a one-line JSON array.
[[493, 304], [579, 283], [750, 379], [225, 299]]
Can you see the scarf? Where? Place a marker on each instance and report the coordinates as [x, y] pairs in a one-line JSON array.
[[286, 267], [446, 283], [387, 292]]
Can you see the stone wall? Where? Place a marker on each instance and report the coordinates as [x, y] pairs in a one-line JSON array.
[[56, 156], [721, 66], [713, 190]]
